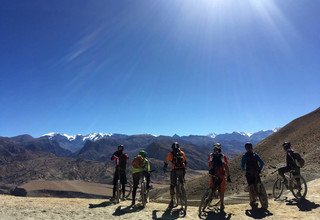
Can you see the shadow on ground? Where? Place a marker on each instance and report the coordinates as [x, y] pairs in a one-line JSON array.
[[103, 204], [303, 204], [168, 214], [129, 209], [218, 215], [258, 213]]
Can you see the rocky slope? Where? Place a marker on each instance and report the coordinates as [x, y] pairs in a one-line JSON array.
[[303, 133]]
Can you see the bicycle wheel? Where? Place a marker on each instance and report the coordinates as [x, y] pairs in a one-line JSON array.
[[263, 197], [277, 188], [143, 194], [183, 199], [177, 195], [298, 186], [205, 201], [128, 189], [118, 192]]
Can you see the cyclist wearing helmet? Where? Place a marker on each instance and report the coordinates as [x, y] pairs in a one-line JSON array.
[[218, 166], [178, 161], [140, 166], [290, 160], [120, 159], [252, 164]]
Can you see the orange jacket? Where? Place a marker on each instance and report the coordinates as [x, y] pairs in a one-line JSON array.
[[169, 159]]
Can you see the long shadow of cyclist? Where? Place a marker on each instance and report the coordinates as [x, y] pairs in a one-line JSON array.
[[304, 205], [100, 205], [126, 210], [217, 214], [168, 214], [258, 213]]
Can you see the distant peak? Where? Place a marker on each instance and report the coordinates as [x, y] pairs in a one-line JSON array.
[[212, 135]]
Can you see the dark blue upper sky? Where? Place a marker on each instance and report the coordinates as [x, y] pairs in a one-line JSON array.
[[161, 67]]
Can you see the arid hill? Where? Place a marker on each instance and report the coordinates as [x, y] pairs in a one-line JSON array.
[[74, 208], [303, 133]]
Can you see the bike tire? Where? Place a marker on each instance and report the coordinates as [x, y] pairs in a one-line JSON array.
[[183, 199], [128, 189], [277, 188], [304, 187], [118, 192], [263, 197], [143, 194], [205, 201], [177, 196]]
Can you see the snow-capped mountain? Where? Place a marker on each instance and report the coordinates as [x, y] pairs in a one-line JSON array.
[[212, 135], [75, 142], [243, 136]]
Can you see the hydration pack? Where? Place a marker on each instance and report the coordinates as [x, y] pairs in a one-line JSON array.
[[178, 160], [252, 163], [137, 162], [217, 160], [123, 161], [299, 161]]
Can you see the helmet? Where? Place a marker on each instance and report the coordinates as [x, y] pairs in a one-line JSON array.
[[175, 146], [120, 147], [286, 145], [248, 145], [217, 146], [143, 154]]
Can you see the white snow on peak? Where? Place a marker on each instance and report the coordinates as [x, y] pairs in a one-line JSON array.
[[212, 135], [96, 136], [92, 136], [51, 134], [249, 134]]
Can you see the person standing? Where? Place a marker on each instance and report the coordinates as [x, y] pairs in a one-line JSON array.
[[252, 164], [178, 161], [140, 166], [218, 167], [120, 159]]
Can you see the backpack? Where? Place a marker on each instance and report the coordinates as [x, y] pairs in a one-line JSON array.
[[299, 161], [178, 159], [217, 160], [123, 161], [137, 162], [252, 163]]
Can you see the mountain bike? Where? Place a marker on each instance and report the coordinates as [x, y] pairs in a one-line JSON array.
[[210, 195], [181, 197], [128, 187], [296, 184], [262, 195], [144, 192]]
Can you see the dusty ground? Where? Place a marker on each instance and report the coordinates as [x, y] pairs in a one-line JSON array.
[[59, 208]]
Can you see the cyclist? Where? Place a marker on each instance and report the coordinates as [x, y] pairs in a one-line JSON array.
[[120, 159], [140, 166], [218, 166], [178, 162], [252, 164], [290, 163]]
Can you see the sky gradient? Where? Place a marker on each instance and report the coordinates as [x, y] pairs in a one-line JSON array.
[[159, 67]]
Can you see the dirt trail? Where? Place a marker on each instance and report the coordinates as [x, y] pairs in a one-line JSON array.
[[59, 208]]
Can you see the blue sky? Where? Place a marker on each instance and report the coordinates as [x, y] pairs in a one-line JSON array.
[[160, 67]]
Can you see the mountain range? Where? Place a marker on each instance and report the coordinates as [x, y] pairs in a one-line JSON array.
[[57, 156], [76, 142]]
